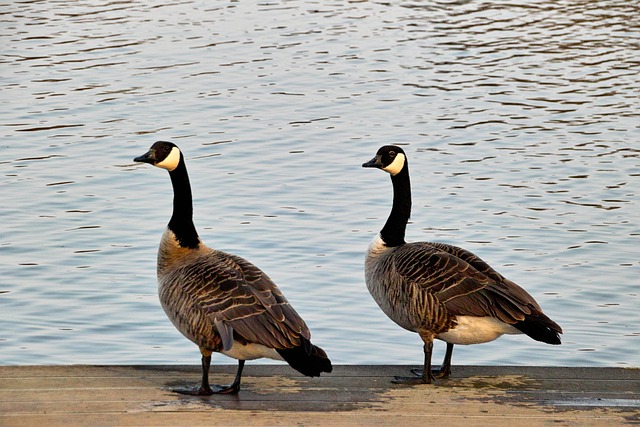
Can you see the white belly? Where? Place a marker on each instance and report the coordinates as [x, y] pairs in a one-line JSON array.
[[251, 351], [476, 330]]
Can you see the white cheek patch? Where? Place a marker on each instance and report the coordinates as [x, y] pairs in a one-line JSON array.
[[396, 166], [171, 161]]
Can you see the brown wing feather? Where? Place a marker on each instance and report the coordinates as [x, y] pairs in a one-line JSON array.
[[463, 282], [231, 289], [470, 258]]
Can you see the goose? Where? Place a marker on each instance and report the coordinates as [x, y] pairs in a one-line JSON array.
[[439, 290], [219, 301]]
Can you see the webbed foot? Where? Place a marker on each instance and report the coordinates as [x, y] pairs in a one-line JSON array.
[[208, 391], [442, 373]]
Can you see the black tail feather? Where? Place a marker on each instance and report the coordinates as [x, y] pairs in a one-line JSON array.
[[539, 327], [307, 359]]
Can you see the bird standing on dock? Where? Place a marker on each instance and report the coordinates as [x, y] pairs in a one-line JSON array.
[[222, 302], [442, 291]]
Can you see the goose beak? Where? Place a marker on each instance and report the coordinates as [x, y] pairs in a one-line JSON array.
[[148, 157], [373, 163]]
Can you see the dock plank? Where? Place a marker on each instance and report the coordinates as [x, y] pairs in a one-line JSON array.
[[351, 395]]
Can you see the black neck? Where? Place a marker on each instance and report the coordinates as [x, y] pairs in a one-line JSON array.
[[181, 222], [393, 231]]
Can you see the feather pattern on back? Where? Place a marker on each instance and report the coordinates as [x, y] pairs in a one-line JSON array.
[[219, 287], [439, 290], [222, 302], [458, 279]]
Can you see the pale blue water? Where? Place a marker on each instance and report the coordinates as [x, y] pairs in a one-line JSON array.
[[521, 123]]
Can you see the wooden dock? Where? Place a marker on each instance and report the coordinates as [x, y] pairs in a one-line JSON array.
[[351, 395]]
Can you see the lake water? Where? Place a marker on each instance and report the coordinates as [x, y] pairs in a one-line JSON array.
[[521, 121]]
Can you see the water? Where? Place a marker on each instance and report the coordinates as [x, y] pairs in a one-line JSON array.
[[520, 120]]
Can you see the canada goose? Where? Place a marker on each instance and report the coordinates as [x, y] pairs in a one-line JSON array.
[[222, 302], [442, 291]]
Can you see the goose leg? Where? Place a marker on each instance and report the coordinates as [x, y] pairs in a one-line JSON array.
[[205, 389], [234, 387], [445, 369], [427, 376]]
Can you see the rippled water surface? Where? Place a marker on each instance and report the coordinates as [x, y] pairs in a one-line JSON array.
[[521, 121]]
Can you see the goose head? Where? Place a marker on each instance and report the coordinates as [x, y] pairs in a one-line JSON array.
[[162, 154], [389, 158]]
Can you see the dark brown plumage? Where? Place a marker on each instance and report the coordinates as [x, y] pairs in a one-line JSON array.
[[439, 290], [222, 302]]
